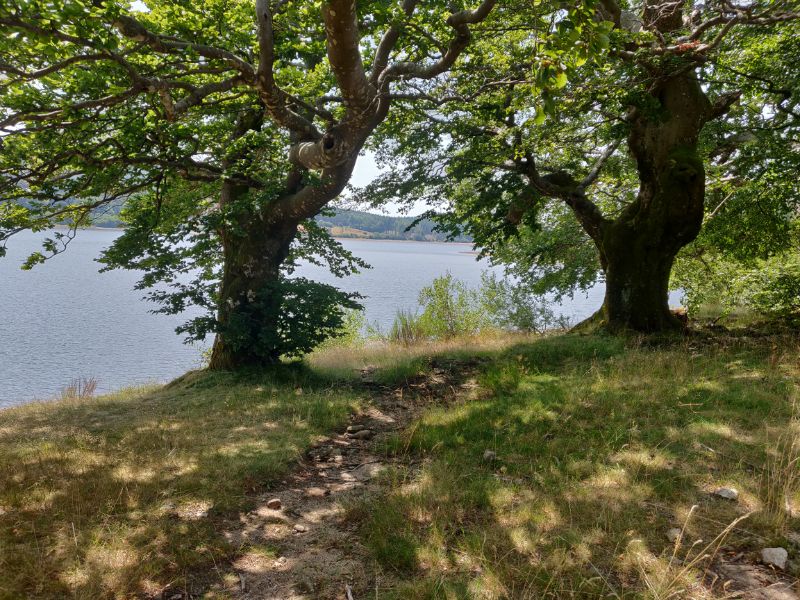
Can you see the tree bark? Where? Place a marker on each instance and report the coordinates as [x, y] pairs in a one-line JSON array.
[[638, 248], [253, 253]]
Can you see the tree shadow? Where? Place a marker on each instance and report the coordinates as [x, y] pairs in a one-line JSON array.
[[599, 452], [132, 493]]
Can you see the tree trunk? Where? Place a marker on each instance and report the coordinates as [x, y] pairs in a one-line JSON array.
[[638, 248], [637, 271], [253, 254]]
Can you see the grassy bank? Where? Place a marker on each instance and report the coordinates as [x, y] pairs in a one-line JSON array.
[[557, 471], [560, 475], [125, 495]]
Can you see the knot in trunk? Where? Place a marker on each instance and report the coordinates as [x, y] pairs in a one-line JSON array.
[[331, 150]]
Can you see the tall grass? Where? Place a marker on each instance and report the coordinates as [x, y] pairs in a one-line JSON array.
[[80, 388], [407, 329], [780, 479]]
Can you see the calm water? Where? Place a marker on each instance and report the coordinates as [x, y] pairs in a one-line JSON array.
[[65, 320]]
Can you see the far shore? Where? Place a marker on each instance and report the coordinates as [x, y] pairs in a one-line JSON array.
[[336, 237]]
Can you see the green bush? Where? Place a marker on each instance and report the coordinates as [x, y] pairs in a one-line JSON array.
[[350, 334], [515, 307], [775, 288], [286, 318], [769, 287], [451, 309]]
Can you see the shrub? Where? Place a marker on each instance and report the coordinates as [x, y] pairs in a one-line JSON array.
[[516, 307], [451, 309], [769, 287], [286, 318], [350, 334]]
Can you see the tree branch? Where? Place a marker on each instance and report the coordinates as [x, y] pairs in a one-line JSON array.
[[274, 98]]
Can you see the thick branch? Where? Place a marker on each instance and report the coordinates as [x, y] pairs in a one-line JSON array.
[[388, 43], [344, 55], [460, 22], [132, 29], [274, 98]]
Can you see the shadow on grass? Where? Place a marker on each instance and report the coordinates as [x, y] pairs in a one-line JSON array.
[[128, 494], [600, 449]]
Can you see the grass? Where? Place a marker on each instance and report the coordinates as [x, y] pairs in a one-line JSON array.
[[602, 446], [127, 494], [398, 363], [598, 446]]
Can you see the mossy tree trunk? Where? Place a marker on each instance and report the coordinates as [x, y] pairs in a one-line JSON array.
[[253, 253], [638, 248]]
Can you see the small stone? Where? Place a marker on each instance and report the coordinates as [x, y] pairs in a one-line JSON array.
[[274, 504], [355, 428], [727, 493], [300, 528], [673, 534], [489, 455], [364, 434], [776, 557]]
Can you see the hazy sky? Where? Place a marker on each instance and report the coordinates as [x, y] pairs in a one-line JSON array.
[[366, 170]]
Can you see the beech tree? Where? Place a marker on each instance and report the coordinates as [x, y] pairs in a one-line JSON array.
[[223, 126], [601, 128]]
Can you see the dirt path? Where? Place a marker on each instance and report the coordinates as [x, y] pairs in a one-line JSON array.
[[319, 553]]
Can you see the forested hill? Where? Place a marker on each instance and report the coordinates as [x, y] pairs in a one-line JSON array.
[[361, 224], [347, 224]]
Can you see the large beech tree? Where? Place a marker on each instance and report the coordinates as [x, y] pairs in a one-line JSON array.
[[222, 125], [600, 127]]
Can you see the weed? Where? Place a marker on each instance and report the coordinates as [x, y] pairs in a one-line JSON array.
[[80, 388]]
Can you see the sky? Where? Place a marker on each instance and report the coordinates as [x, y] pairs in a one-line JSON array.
[[368, 169]]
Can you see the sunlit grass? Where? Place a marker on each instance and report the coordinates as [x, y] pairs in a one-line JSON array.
[[394, 363], [602, 446], [122, 495]]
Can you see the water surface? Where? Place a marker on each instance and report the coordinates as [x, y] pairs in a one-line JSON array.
[[64, 319]]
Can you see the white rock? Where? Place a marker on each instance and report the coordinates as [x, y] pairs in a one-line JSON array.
[[775, 557], [489, 455], [673, 534], [727, 493]]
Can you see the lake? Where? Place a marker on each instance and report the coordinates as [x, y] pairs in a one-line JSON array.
[[64, 320]]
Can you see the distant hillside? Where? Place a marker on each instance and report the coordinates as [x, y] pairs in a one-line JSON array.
[[343, 224], [361, 224]]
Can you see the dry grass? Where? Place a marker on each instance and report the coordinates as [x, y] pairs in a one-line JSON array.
[[602, 445], [80, 388], [127, 494], [780, 478], [397, 362]]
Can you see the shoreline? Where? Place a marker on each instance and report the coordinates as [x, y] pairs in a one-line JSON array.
[[336, 237]]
